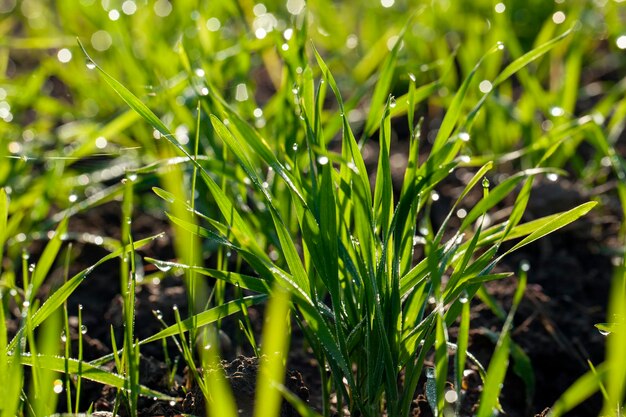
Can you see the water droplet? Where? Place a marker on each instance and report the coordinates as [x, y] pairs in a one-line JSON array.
[[412, 77], [172, 403], [322, 160], [557, 111], [25, 256], [604, 332], [355, 241], [83, 329], [353, 167], [175, 307], [63, 336], [500, 45], [26, 304], [163, 266], [464, 297], [294, 147], [464, 136], [158, 314], [80, 306], [524, 265], [57, 386], [31, 267], [552, 177], [295, 90], [90, 65], [451, 396], [418, 240], [485, 182], [72, 198], [392, 102], [434, 196]]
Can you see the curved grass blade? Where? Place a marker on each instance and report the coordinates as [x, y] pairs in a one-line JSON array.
[[527, 58], [243, 281], [560, 221], [454, 111], [579, 391], [88, 371], [59, 296], [206, 317]]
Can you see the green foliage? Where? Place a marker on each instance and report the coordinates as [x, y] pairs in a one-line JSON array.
[[270, 178]]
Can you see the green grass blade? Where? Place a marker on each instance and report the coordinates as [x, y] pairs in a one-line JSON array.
[[206, 317], [274, 349], [243, 281], [616, 342], [57, 299], [130, 98], [441, 362], [560, 221], [495, 376], [88, 371], [454, 111], [383, 86], [579, 391], [462, 343], [4, 216], [527, 58], [48, 256], [500, 360]]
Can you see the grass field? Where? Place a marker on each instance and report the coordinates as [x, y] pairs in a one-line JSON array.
[[344, 182]]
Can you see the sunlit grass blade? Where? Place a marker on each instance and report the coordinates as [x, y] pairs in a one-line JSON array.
[[441, 362], [579, 391], [462, 343], [560, 221], [242, 281], [54, 301], [383, 86], [206, 317], [48, 256], [4, 216], [500, 361], [130, 98], [616, 343], [527, 58], [274, 347], [454, 110], [90, 372]]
